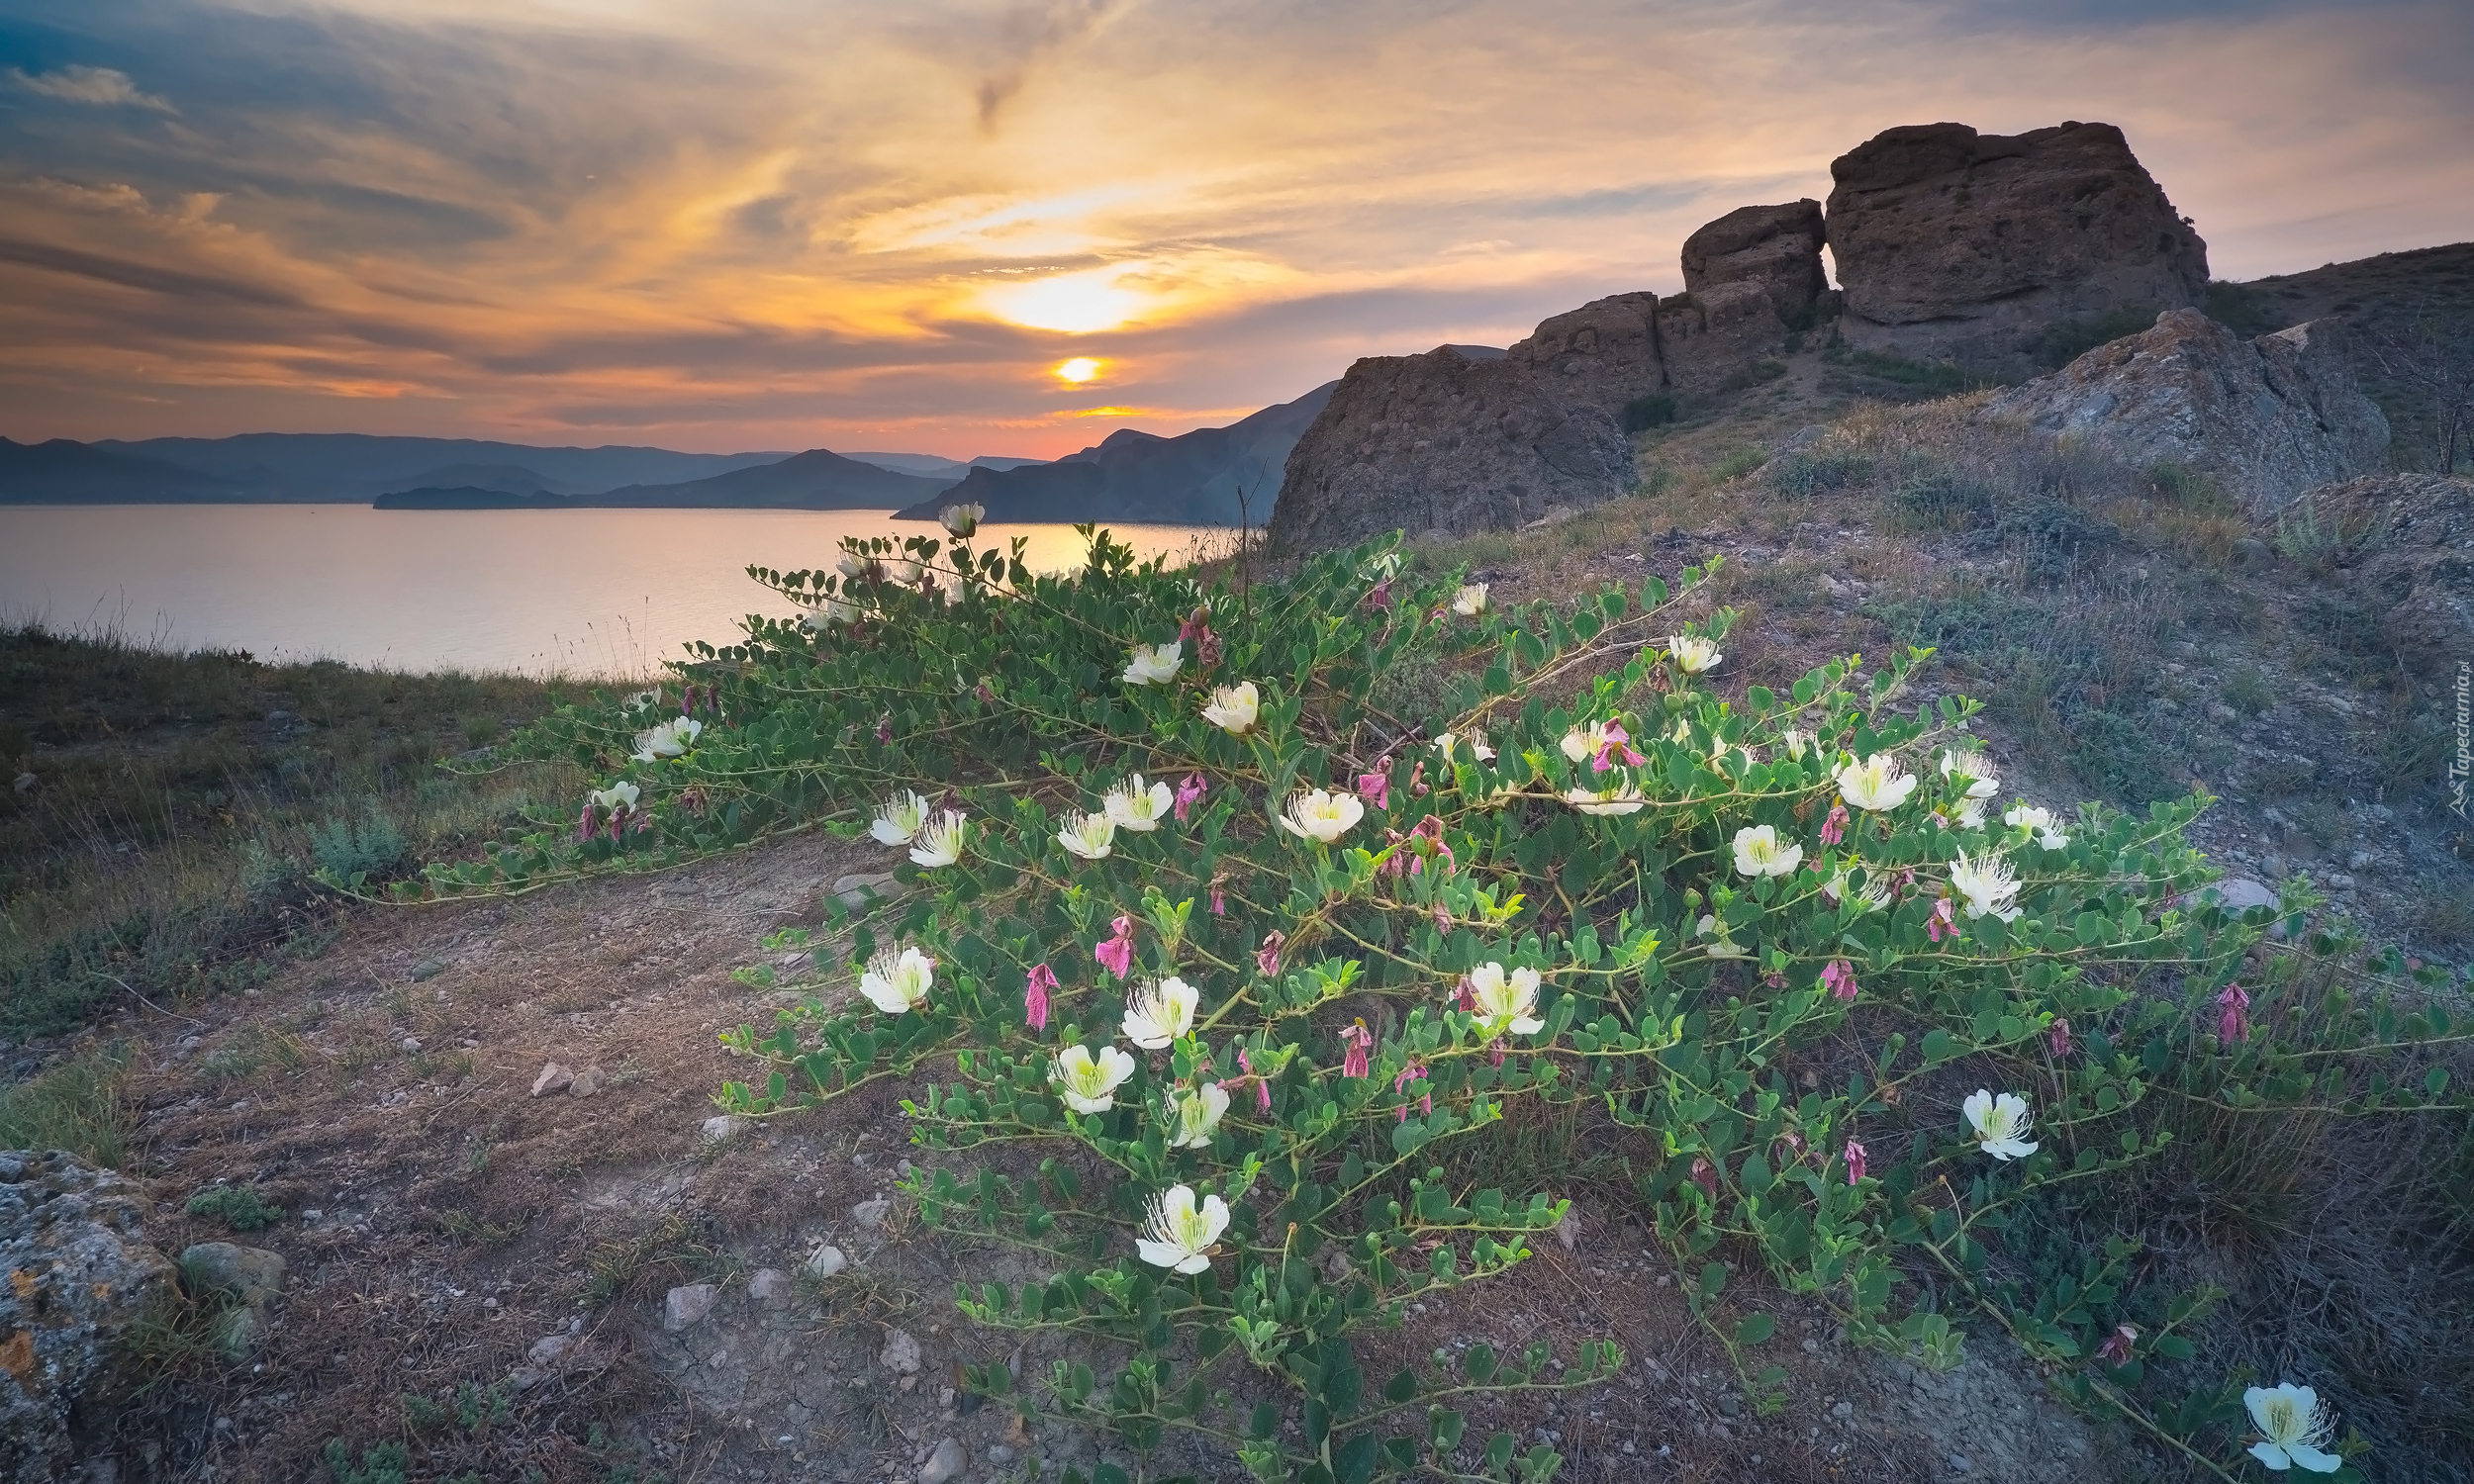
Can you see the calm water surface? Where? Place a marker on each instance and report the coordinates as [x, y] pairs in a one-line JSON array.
[[575, 591]]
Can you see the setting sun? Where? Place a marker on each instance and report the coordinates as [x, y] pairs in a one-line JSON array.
[[1078, 370]]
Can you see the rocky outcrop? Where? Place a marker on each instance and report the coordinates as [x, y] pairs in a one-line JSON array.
[[1604, 352], [1952, 246], [1710, 336], [2272, 416], [2414, 539], [1777, 248], [72, 1240], [1443, 443]]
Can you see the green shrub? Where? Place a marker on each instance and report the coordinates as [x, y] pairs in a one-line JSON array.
[[1761, 938], [345, 852], [383, 1463], [1945, 498], [1805, 473], [238, 1207], [75, 1105], [2249, 690], [1642, 414], [1740, 463]]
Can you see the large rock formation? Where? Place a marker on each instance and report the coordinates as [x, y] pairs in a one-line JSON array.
[[2273, 417], [1711, 334], [2414, 539], [73, 1245], [1444, 442], [1952, 246], [1777, 248], [1604, 352]]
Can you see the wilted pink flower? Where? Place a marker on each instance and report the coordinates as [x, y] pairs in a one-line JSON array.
[[1193, 787], [618, 822], [988, 698], [1197, 631], [1427, 840], [885, 728], [583, 825], [1219, 899], [1414, 1072], [1358, 1043], [1834, 828], [1705, 1175], [1943, 923], [1443, 918], [1466, 998], [1262, 1085], [2232, 1015], [1376, 788], [1417, 780], [1854, 1162], [1035, 996], [1380, 597], [2057, 1037], [1615, 747], [2117, 1346], [1117, 955], [1838, 980], [1266, 957]]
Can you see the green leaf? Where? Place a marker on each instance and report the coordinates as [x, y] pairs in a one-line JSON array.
[[1755, 1329]]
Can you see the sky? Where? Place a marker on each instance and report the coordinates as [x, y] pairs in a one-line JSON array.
[[979, 226]]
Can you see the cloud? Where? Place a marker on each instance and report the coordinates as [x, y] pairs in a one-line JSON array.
[[82, 84]]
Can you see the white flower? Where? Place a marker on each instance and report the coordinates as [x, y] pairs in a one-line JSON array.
[[1875, 782], [1232, 708], [1987, 883], [669, 739], [1999, 1124], [1970, 815], [851, 565], [1476, 741], [1470, 600], [939, 842], [1155, 664], [1694, 654], [1199, 1113], [1090, 836], [619, 795], [1181, 1237], [900, 819], [894, 984], [1797, 741], [1758, 853], [1379, 568], [1623, 798], [2048, 833], [1582, 743], [1720, 946], [1321, 817], [1135, 807], [962, 519], [829, 614], [1089, 1083], [2292, 1429], [1506, 1002], [901, 571], [1157, 1014], [1981, 784], [1872, 898]]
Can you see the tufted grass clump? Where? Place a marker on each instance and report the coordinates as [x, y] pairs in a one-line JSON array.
[[1225, 957]]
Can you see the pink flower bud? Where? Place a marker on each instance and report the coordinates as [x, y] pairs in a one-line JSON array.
[[1379, 598], [1266, 957], [1358, 1044], [1193, 789], [2232, 1015], [1376, 788], [1117, 955], [1854, 1162], [1035, 995], [1944, 921], [583, 825], [1834, 828], [1838, 980], [1705, 1175], [2057, 1037]]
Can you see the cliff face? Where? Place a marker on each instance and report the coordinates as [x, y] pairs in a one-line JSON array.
[[1952, 246], [1443, 443]]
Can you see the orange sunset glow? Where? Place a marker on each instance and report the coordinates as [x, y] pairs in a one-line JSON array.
[[739, 226]]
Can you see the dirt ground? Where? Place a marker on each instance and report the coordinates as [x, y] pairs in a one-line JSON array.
[[485, 1276]]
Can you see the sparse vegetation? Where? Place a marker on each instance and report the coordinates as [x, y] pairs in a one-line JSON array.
[[238, 1207], [75, 1105]]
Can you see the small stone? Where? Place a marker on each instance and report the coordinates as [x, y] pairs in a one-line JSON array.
[[410, 1043], [1842, 1411], [553, 1078], [549, 1349], [587, 1082], [1729, 1405], [858, 891], [687, 1304], [871, 1214], [1567, 1231], [1959, 1463], [946, 1464], [1000, 1455], [25, 782], [826, 1261], [251, 1274], [724, 1127], [771, 1285], [900, 1352]]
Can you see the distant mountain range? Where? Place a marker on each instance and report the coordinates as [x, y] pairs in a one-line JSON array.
[[1195, 478], [1213, 476]]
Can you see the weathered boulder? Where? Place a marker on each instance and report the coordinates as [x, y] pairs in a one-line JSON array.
[[1443, 443], [1710, 336], [2272, 416], [72, 1240], [1777, 248], [2415, 536], [1968, 248], [1604, 352], [252, 1275]]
